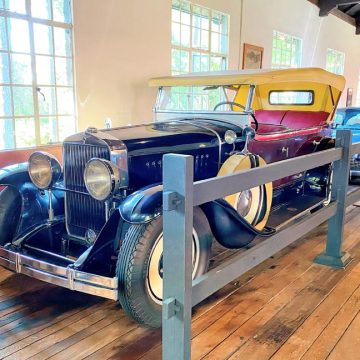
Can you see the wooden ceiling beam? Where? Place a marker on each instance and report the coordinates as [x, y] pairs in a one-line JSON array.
[[326, 6]]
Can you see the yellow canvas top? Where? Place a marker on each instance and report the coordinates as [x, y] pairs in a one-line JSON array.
[[255, 77]]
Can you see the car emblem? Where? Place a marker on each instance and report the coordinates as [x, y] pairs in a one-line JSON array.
[[90, 236]]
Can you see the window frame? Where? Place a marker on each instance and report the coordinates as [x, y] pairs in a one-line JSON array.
[[338, 54], [191, 49], [35, 86], [292, 104], [281, 64]]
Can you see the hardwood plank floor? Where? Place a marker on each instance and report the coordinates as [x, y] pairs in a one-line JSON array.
[[285, 308]]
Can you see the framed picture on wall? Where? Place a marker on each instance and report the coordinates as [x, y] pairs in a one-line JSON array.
[[252, 56], [349, 97]]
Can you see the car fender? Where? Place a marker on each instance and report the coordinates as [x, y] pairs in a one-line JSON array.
[[15, 175], [143, 205], [34, 203]]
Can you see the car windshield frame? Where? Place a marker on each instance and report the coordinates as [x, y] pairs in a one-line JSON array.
[[227, 99]]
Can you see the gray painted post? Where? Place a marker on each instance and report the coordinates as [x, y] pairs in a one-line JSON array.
[[178, 175], [333, 255]]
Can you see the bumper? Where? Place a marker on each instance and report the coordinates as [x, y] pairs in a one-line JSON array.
[[58, 275]]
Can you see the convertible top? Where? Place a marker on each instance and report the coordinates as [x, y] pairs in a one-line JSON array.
[[253, 77]]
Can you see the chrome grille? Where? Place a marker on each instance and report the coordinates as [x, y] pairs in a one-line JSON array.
[[82, 211]]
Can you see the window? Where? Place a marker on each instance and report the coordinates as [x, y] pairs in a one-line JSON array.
[[296, 97], [286, 51], [358, 93], [200, 38], [335, 61], [37, 104]]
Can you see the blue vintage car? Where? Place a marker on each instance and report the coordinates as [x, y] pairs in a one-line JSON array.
[[94, 223], [349, 118]]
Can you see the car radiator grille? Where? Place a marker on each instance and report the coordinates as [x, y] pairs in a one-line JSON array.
[[82, 211]]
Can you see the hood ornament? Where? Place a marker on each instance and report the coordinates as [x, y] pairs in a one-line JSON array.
[[91, 130]]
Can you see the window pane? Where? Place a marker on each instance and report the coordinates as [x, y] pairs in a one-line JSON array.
[[62, 10], [5, 101], [25, 132], [19, 35], [184, 61], [223, 44], [205, 40], [300, 97], [215, 24], [17, 6], [48, 130], [64, 71], [224, 24], [21, 69], [196, 17], [45, 72], [23, 100], [41, 9], [204, 62], [175, 33], [205, 20], [196, 36], [175, 14], [185, 13], [43, 39], [215, 42], [66, 126], [215, 63], [47, 101], [196, 62], [4, 68], [6, 134], [3, 42], [185, 35], [62, 42], [65, 101]]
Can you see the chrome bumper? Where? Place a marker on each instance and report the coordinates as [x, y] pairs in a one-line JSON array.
[[62, 276]]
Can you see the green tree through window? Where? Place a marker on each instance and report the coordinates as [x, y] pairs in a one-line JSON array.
[[37, 104]]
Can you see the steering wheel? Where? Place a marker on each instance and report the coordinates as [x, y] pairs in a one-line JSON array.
[[233, 103]]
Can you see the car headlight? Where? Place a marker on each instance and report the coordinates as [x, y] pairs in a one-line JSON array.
[[102, 178], [44, 169]]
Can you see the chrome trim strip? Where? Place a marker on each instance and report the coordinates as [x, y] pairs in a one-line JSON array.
[[203, 127], [67, 277]]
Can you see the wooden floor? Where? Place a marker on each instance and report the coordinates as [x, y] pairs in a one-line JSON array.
[[286, 308]]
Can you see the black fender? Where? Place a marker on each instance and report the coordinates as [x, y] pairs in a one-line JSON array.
[[143, 205], [34, 202], [228, 227]]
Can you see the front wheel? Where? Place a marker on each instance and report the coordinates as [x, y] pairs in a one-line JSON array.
[[140, 266]]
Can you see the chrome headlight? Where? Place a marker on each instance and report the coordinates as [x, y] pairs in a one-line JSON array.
[[44, 169], [102, 178]]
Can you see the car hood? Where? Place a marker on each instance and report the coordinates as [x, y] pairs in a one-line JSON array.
[[181, 133]]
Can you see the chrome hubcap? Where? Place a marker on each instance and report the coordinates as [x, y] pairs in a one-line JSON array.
[[244, 202]]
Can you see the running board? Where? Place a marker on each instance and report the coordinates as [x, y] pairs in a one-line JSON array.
[[293, 210]]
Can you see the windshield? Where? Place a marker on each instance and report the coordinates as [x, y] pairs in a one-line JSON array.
[[353, 120], [194, 98]]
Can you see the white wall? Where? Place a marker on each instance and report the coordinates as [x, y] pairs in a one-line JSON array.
[[301, 18], [120, 44]]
